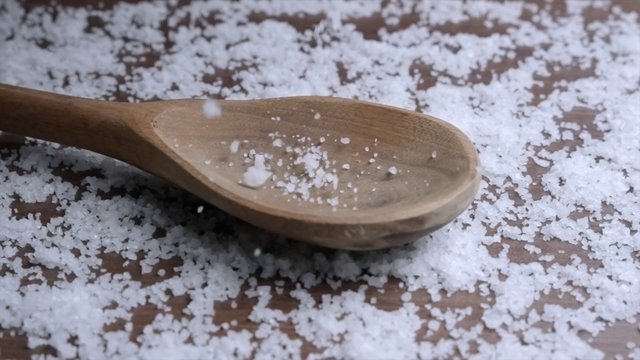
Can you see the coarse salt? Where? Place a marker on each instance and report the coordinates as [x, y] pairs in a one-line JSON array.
[[256, 175], [234, 146], [515, 122], [211, 109]]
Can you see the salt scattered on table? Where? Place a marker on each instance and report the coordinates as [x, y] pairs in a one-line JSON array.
[[234, 146], [511, 126]]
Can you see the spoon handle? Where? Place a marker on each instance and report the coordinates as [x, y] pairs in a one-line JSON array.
[[101, 126]]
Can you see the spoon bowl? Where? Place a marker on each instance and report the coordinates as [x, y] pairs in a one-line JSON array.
[[341, 173]]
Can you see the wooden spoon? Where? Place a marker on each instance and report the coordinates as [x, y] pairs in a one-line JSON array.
[[371, 207]]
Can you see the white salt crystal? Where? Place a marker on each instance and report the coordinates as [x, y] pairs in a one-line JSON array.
[[211, 109], [345, 140], [433, 325], [199, 209], [233, 147], [392, 170], [257, 174]]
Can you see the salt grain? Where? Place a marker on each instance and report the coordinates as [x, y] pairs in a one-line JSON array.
[[256, 175], [234, 146], [211, 109]]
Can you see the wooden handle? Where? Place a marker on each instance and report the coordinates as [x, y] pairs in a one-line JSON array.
[[100, 126]]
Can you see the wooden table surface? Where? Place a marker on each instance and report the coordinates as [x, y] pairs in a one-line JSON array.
[[612, 341]]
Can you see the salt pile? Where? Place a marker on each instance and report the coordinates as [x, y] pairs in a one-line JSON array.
[[543, 265]]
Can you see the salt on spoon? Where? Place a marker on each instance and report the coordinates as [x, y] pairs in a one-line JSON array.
[[149, 136]]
